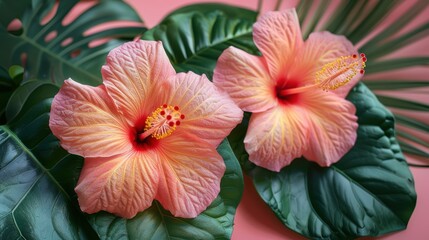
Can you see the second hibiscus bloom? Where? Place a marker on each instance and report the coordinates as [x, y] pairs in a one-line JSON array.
[[295, 92]]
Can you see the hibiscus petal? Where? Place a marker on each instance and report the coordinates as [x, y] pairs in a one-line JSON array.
[[209, 113], [85, 121], [278, 36], [245, 78], [333, 126], [192, 172], [322, 48], [276, 137], [133, 72], [123, 185]]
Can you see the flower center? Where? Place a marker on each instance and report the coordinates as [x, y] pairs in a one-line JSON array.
[[162, 122], [284, 84], [334, 74]]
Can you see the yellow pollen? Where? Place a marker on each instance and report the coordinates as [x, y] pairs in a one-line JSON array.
[[340, 71], [162, 122], [334, 74]]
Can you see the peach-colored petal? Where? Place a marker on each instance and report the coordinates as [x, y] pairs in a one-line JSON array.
[[132, 74], [276, 137], [86, 122], [124, 185], [246, 79], [192, 170], [209, 113], [332, 127], [322, 48], [278, 36]]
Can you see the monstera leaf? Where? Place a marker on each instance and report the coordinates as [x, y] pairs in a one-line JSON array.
[[369, 192], [195, 36], [37, 176], [51, 48], [9, 81]]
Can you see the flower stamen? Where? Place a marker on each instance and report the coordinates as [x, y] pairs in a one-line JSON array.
[[340, 71], [162, 122], [334, 74]]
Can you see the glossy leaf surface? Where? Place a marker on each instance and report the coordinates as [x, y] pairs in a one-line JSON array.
[[369, 192]]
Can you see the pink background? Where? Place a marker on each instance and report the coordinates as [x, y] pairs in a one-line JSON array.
[[254, 220]]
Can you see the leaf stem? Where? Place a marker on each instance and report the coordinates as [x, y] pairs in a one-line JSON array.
[[278, 4], [259, 6]]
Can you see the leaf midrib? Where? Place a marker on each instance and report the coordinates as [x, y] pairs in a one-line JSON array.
[[27, 151], [26, 40], [202, 50], [342, 173]]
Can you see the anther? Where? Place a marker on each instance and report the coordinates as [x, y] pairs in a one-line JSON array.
[[162, 122], [340, 71], [334, 74]]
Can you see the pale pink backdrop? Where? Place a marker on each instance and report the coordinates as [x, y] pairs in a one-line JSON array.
[[254, 220]]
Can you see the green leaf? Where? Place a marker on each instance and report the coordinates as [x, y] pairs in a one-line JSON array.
[[413, 150], [229, 10], [156, 223], [37, 177], [402, 41], [25, 94], [395, 64], [55, 51], [402, 103], [411, 122], [194, 40], [355, 19], [378, 45], [16, 72], [369, 192], [315, 18], [383, 84], [9, 81], [413, 138]]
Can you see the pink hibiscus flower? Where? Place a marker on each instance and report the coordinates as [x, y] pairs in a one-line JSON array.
[[286, 89], [146, 133]]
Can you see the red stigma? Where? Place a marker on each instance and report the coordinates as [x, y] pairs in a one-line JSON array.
[[169, 117], [177, 123], [164, 106], [362, 55], [362, 71], [364, 59], [182, 116], [354, 56], [176, 108], [171, 124], [162, 113]]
